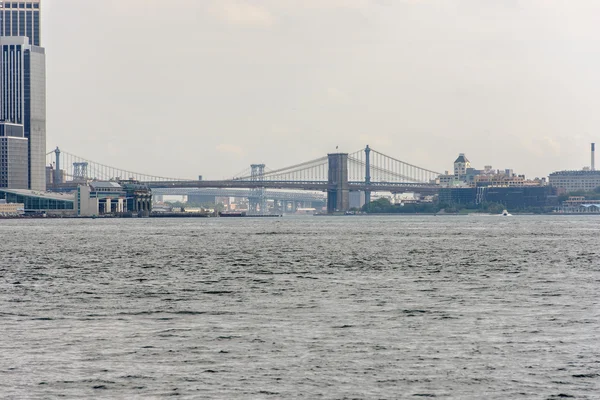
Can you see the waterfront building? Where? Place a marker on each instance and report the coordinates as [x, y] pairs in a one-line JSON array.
[[573, 181], [11, 209], [579, 205], [139, 196], [510, 197], [99, 198], [36, 202], [13, 157], [521, 197], [21, 18], [457, 195], [108, 197], [23, 100]]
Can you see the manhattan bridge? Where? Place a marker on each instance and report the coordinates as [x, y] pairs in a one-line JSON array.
[[336, 175]]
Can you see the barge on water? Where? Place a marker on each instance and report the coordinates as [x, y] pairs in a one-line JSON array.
[[242, 214]]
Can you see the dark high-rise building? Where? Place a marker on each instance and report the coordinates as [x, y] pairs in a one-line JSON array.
[[23, 99], [21, 18]]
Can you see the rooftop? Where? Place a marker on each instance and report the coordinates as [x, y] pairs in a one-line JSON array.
[[461, 159], [579, 172], [105, 185], [45, 195]]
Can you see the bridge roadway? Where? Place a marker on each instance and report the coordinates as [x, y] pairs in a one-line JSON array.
[[322, 186], [219, 192], [318, 186]]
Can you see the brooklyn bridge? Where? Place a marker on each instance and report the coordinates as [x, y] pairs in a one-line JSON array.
[[336, 175]]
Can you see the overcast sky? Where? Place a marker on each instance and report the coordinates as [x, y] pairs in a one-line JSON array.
[[186, 87]]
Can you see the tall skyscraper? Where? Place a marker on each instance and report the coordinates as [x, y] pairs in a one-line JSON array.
[[23, 82], [21, 18]]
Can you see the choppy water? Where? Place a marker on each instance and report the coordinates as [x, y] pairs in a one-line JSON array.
[[341, 307]]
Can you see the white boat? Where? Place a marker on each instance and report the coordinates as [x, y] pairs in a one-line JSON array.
[[506, 214]]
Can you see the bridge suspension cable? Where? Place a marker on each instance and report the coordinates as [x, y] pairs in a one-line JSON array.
[[75, 168], [313, 171], [384, 168], [381, 169]]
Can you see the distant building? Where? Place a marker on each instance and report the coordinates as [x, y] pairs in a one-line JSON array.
[[356, 199], [11, 209], [460, 166], [445, 180], [467, 176], [572, 181], [21, 18], [54, 176], [201, 199], [14, 172]]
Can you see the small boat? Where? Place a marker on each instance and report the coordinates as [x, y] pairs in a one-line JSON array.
[[506, 214]]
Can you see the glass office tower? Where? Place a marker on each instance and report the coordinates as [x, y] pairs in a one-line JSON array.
[[23, 99], [21, 18]]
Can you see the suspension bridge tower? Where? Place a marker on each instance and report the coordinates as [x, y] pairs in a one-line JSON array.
[[257, 200], [338, 190]]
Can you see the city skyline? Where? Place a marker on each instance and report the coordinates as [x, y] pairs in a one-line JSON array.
[[280, 82]]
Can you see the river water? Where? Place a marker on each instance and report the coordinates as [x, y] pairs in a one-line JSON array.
[[313, 307]]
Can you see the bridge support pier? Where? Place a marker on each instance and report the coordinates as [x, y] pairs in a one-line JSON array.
[[338, 190], [367, 174]]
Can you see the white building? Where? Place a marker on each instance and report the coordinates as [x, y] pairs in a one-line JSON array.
[[99, 198], [572, 181]]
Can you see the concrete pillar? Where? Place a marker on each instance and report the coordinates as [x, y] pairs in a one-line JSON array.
[[338, 192], [107, 207]]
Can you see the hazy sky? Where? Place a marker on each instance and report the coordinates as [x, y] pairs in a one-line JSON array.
[[187, 87]]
